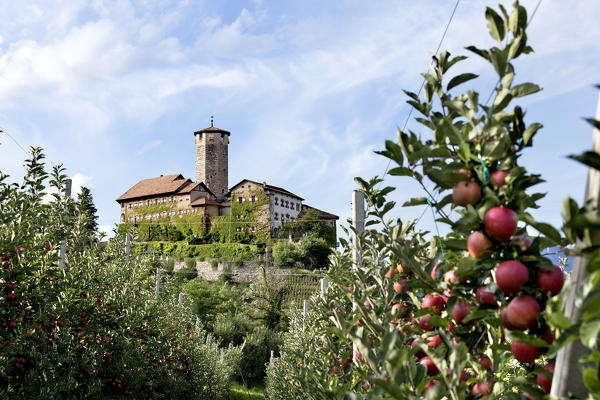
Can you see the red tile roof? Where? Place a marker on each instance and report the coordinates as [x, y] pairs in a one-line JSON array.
[[212, 129], [324, 214], [155, 186], [267, 187]]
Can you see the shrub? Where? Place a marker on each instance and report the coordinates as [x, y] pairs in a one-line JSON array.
[[285, 254], [315, 251], [231, 328], [190, 263], [256, 353], [94, 329]]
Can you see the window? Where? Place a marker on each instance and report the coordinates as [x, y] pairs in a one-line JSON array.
[[287, 204], [297, 206], [129, 205], [253, 199], [172, 213], [276, 201], [276, 216], [172, 199], [240, 199], [195, 210], [287, 216], [292, 218], [179, 212]]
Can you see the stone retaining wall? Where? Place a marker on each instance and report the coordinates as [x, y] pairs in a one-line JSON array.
[[248, 272]]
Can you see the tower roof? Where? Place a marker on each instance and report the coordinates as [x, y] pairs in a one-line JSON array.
[[212, 129]]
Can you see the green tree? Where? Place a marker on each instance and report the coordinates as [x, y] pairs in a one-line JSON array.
[[87, 210]]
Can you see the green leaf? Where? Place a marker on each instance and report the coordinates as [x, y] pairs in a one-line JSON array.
[[517, 20], [524, 89], [480, 52], [590, 379], [526, 338], [462, 78], [589, 332], [454, 60], [589, 158], [529, 132], [415, 201], [498, 58], [591, 304], [495, 24], [400, 171]]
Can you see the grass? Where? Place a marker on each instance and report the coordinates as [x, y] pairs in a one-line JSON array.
[[240, 392]]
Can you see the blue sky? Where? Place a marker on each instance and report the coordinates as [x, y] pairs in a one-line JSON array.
[[115, 89]]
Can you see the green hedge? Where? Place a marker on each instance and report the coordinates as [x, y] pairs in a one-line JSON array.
[[221, 251]]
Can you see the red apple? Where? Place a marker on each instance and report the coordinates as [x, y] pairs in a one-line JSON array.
[[499, 177], [500, 223], [433, 271], [335, 370], [544, 381], [424, 322], [510, 276], [466, 173], [432, 369], [434, 341], [548, 335], [398, 309], [460, 311], [483, 296], [524, 352], [521, 313], [482, 388], [434, 301], [478, 244], [419, 353], [429, 385], [400, 286], [485, 362], [391, 272], [450, 278], [550, 281], [465, 193]]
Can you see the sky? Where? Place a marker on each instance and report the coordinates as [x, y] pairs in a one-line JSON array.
[[309, 90]]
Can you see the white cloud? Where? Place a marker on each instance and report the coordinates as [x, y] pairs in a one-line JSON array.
[[80, 180], [148, 146]]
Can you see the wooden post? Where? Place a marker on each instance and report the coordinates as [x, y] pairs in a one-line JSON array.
[[157, 280], [305, 313], [324, 284], [567, 370], [180, 299], [127, 245], [207, 339], [197, 322], [358, 222], [63, 244]]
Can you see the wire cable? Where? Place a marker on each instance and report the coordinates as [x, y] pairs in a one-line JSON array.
[[14, 140]]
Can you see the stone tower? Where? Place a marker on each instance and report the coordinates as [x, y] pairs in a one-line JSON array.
[[212, 159]]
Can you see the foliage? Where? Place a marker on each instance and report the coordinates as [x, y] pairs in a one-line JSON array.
[[311, 223], [256, 353], [285, 254], [211, 299], [315, 251], [87, 210], [94, 329], [267, 296], [221, 251], [408, 305], [234, 228]]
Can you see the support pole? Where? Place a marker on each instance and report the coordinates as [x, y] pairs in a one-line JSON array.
[[358, 223], [63, 244], [305, 313], [157, 280], [324, 284], [567, 371], [127, 245]]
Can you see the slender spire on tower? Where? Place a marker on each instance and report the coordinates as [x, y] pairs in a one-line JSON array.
[[211, 121]]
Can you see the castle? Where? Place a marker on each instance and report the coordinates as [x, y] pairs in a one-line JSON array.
[[209, 196]]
